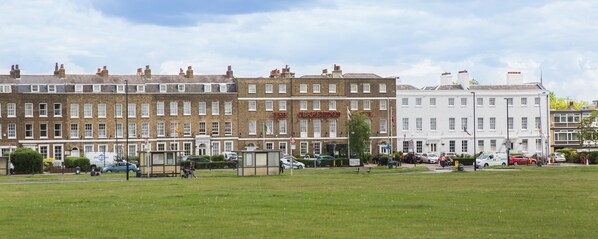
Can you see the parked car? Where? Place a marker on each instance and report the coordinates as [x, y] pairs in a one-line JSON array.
[[412, 158], [119, 167], [319, 159], [558, 157], [421, 158], [197, 159], [521, 160], [231, 156], [431, 158], [491, 159], [286, 162]]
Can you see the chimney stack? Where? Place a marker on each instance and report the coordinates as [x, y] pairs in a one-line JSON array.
[[17, 72], [571, 105], [61, 72], [463, 78], [102, 72], [324, 72], [189, 72], [274, 73], [337, 72], [286, 72], [148, 72], [229, 72], [446, 78], [12, 71], [139, 71], [514, 78], [56, 69]]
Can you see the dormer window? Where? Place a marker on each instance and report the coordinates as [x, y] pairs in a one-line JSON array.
[[163, 88], [34, 88], [78, 88], [140, 88], [181, 87], [207, 88], [52, 88], [223, 88], [120, 88], [97, 88]]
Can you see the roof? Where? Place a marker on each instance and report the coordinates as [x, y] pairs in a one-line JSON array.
[[450, 87], [406, 87], [113, 79], [361, 75], [506, 87]]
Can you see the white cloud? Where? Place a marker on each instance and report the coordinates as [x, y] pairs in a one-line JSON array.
[[416, 41]]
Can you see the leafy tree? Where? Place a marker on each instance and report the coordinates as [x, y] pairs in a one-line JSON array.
[[559, 103], [585, 131], [473, 82], [359, 131]]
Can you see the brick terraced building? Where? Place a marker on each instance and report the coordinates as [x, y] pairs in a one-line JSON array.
[[60, 114]]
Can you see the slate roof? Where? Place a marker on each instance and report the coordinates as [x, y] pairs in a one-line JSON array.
[[507, 87], [113, 79], [361, 75], [406, 87]]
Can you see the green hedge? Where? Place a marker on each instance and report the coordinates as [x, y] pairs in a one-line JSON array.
[[27, 161], [338, 162], [73, 162], [218, 158], [465, 161], [212, 165]]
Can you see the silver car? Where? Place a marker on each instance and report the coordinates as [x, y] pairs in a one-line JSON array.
[[431, 158], [558, 157]]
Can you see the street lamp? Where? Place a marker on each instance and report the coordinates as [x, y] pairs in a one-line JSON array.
[[127, 125], [508, 143], [475, 163], [540, 125]]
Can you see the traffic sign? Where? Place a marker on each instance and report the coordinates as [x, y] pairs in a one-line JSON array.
[[293, 140], [388, 146]]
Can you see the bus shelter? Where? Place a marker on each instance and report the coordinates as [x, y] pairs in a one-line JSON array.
[[259, 163], [159, 163]]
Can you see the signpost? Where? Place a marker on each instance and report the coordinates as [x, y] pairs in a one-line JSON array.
[[292, 158]]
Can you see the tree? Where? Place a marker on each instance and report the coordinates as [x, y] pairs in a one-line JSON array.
[[585, 131], [559, 103], [473, 82], [359, 133]]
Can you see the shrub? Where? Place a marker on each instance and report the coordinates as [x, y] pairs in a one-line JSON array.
[[366, 158], [465, 160], [73, 162], [27, 161], [218, 158], [384, 160], [593, 157], [48, 162], [338, 162]]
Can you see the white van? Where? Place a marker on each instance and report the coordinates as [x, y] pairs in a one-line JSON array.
[[491, 159]]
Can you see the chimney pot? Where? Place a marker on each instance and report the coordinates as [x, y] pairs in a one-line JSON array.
[[17, 66], [61, 66], [229, 72], [12, 68], [148, 72], [181, 73], [56, 68], [230, 68], [189, 72]]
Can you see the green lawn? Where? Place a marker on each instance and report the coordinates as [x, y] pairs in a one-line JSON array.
[[547, 202]]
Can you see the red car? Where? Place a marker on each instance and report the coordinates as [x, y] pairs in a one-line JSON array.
[[521, 160]]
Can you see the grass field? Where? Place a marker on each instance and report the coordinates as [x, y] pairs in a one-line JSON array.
[[547, 202]]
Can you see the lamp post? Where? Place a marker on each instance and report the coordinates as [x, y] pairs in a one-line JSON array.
[[547, 125], [475, 163], [127, 124], [540, 126], [508, 143]]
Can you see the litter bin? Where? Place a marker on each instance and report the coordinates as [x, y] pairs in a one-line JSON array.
[[138, 173], [78, 170], [460, 167], [391, 164]]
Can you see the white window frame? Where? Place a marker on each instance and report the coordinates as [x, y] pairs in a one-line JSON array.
[[96, 88], [251, 88], [181, 88], [215, 107], [382, 88], [282, 88], [160, 108], [174, 108], [332, 88], [332, 105], [145, 110], [269, 105], [140, 88], [101, 110], [52, 88], [366, 88], [87, 111], [269, 88], [316, 88], [251, 105], [354, 88], [186, 108], [202, 108], [74, 110], [282, 105], [228, 108], [303, 105], [302, 88], [316, 105], [78, 88], [163, 88], [28, 110]]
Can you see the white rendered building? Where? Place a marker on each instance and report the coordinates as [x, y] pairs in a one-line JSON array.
[[441, 118]]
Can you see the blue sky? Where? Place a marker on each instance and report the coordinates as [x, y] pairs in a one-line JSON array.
[[414, 40]]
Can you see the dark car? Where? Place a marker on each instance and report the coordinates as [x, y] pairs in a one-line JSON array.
[[319, 159]]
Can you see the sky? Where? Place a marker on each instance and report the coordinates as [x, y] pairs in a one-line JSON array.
[[414, 40]]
